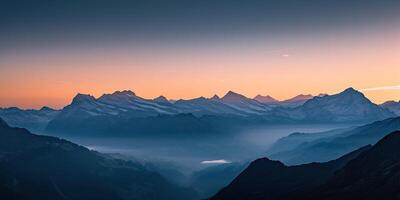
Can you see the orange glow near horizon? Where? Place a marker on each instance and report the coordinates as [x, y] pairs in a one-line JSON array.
[[281, 70]]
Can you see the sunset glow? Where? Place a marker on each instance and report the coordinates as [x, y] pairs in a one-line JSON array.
[[280, 65]]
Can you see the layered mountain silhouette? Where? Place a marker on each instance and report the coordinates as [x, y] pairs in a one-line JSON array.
[[42, 167], [392, 106], [367, 173], [34, 120], [296, 101], [244, 104], [265, 99], [320, 147], [292, 102], [115, 112]]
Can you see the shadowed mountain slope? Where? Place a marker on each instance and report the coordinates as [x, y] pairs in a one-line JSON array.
[[372, 172], [41, 167], [267, 179], [375, 174], [333, 146]]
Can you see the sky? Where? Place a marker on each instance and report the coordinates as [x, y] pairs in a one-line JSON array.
[[51, 50]]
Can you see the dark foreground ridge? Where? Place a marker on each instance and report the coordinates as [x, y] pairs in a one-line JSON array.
[[41, 167], [367, 173]]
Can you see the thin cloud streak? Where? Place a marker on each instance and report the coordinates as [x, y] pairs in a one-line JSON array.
[[390, 87], [215, 162]]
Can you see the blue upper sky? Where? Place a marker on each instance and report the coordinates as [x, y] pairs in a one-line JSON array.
[[76, 21]]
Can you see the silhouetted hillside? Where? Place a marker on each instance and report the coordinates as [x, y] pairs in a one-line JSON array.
[[41, 167], [371, 172], [329, 147], [267, 179]]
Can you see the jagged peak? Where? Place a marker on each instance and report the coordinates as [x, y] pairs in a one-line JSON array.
[[83, 98], [124, 92], [161, 98], [118, 94], [231, 95], [215, 97], [351, 92], [230, 92], [350, 89]]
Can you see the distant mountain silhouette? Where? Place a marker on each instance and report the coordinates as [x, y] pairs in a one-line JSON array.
[[325, 146], [367, 173], [215, 97], [301, 97], [291, 103], [202, 106], [34, 120], [298, 139], [162, 99], [42, 167], [392, 106], [296, 101], [265, 99]]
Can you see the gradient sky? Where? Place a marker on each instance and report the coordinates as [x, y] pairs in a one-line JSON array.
[[51, 50]]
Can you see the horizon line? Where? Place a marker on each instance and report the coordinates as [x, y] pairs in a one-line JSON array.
[[174, 100]]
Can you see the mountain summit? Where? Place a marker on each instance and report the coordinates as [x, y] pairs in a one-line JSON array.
[[265, 99], [79, 98], [233, 97], [349, 105], [161, 99]]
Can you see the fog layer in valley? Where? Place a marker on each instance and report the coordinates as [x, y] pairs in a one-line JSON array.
[[189, 153]]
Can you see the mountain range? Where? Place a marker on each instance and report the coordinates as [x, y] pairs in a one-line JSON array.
[[125, 112], [371, 172], [43, 167], [34, 120], [292, 102]]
